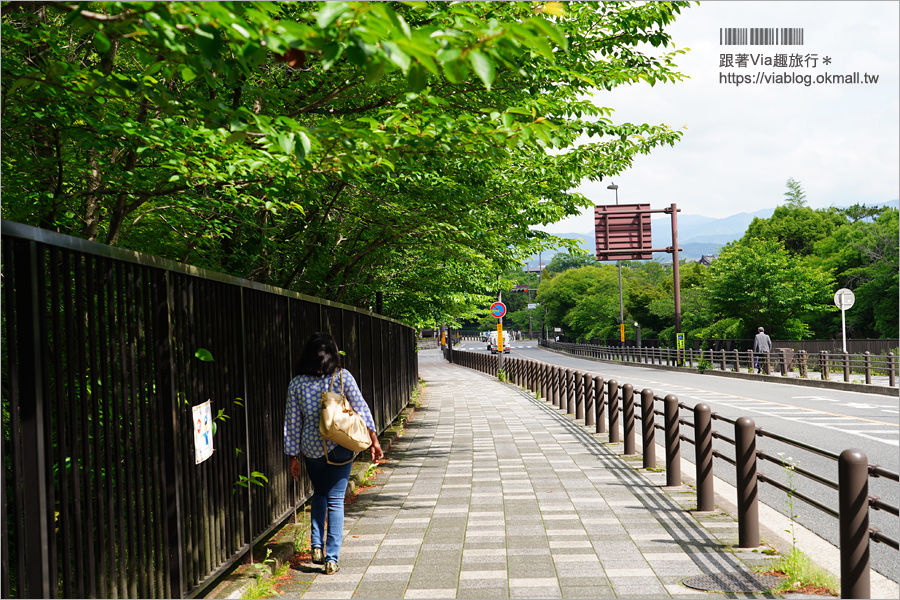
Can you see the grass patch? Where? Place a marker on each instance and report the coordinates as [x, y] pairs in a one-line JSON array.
[[801, 575], [263, 585]]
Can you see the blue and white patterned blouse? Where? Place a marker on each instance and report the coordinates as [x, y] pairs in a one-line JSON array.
[[304, 405]]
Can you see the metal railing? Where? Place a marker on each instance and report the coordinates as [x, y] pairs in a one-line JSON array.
[[605, 403], [824, 365], [102, 496]]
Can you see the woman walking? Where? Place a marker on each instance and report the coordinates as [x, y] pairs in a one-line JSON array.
[[328, 465]]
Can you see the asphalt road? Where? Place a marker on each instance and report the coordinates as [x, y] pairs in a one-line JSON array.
[[832, 420]]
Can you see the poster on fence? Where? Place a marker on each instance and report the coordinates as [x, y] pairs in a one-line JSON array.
[[203, 435]]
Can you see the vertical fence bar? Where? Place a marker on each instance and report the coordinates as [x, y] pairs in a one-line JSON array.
[[673, 441], [747, 484], [168, 419], [35, 545], [704, 457], [804, 373], [570, 392], [628, 417], [648, 427], [823, 364], [613, 408], [737, 360], [599, 406], [853, 508]]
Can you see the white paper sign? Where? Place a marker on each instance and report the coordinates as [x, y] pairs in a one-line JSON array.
[[203, 434]]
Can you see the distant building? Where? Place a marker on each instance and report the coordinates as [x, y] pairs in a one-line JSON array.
[[707, 259]]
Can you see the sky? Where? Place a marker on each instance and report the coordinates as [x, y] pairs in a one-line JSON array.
[[741, 143]]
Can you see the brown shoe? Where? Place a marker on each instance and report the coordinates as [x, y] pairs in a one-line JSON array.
[[318, 557], [332, 568]]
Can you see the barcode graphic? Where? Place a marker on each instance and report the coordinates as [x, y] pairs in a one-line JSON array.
[[760, 36]]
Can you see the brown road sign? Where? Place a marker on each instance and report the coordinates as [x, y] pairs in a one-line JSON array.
[[623, 232]]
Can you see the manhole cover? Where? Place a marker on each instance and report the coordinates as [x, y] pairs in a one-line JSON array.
[[732, 582]]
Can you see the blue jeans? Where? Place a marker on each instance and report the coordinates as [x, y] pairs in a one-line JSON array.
[[329, 488]]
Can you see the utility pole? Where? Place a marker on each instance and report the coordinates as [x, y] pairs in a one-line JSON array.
[[613, 186]]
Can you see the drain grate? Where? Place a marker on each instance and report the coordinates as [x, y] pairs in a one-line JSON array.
[[738, 581]]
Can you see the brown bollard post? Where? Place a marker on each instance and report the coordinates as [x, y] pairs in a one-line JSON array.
[[545, 382], [747, 485], [673, 441], [723, 360], [570, 392], [551, 383], [579, 395], [628, 418], [868, 363], [599, 406], [588, 400], [846, 367], [853, 508], [589, 410], [612, 407], [561, 389], [704, 457], [892, 369], [554, 385], [648, 428]]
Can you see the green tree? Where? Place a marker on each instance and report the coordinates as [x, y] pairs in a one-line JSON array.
[[758, 281], [339, 149], [798, 228], [794, 196], [563, 261]]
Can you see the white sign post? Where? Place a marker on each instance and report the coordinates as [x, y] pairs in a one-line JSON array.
[[844, 299]]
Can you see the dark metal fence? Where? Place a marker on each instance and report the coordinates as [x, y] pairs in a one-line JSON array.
[[101, 493], [613, 409]]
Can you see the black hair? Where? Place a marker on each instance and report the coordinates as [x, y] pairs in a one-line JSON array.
[[319, 357]]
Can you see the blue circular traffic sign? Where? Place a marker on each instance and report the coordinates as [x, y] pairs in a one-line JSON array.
[[498, 309]]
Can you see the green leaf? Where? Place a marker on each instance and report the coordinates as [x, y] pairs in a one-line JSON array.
[[286, 142], [483, 66], [101, 42], [209, 40], [330, 12], [204, 355], [375, 71], [456, 71], [397, 56], [305, 145], [417, 78], [187, 74]]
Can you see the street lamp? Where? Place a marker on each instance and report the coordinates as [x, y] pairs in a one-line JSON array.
[[613, 186]]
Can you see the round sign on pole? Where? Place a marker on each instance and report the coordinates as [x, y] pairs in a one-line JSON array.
[[844, 299], [498, 309]]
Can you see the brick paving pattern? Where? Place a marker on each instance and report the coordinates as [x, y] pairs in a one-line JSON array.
[[492, 493]]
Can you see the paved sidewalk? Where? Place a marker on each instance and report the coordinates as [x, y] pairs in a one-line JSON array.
[[494, 494]]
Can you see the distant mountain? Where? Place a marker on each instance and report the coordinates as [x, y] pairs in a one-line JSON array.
[[695, 228], [697, 235]]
